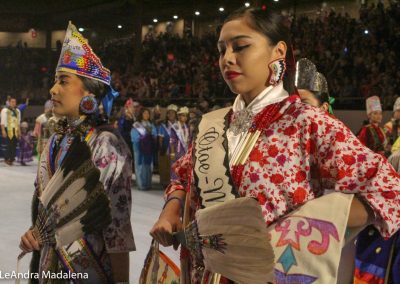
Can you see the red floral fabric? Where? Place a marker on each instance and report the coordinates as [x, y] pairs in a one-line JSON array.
[[304, 153]]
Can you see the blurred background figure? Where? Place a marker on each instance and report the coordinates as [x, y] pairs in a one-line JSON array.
[[180, 136], [126, 121], [10, 130], [25, 145], [41, 130], [372, 135], [164, 140], [392, 127], [143, 137]]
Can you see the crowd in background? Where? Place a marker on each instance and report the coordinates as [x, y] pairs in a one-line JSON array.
[[358, 57]]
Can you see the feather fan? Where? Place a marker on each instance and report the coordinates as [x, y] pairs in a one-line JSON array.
[[73, 202], [231, 239]]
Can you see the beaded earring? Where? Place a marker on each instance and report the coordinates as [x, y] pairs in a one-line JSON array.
[[277, 70], [88, 105]]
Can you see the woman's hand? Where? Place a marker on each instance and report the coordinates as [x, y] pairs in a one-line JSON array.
[[163, 229], [28, 242], [169, 221]]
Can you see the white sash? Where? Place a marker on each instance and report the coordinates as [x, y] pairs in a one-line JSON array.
[[211, 167], [140, 128]]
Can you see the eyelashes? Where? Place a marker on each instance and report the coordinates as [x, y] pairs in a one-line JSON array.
[[240, 48], [235, 49]]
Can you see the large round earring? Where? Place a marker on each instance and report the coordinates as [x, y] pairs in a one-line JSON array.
[[88, 105], [277, 70]]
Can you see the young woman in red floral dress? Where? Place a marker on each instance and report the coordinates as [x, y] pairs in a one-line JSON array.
[[299, 153]]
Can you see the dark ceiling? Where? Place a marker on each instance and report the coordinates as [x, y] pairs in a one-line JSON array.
[[21, 15]]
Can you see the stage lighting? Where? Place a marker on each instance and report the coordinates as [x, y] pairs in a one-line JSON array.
[[221, 9], [155, 20], [81, 29], [175, 17], [119, 26], [197, 13], [247, 4]]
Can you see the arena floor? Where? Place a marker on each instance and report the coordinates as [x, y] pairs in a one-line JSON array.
[[16, 187]]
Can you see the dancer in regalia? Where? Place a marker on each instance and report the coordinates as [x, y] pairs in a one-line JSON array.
[[270, 146], [90, 231], [372, 135], [312, 86]]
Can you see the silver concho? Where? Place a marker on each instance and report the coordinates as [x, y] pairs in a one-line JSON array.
[[241, 121]]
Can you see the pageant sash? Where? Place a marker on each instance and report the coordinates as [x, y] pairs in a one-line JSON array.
[[180, 135], [140, 128], [211, 166], [167, 128], [308, 249]]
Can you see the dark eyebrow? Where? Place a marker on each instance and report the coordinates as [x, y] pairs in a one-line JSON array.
[[63, 76], [234, 38]]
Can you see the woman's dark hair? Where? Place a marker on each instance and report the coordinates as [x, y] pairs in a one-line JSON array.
[[94, 87], [99, 90], [322, 97], [140, 116], [276, 28], [166, 116]]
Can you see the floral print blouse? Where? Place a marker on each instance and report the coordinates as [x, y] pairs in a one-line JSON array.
[[111, 156], [302, 154]]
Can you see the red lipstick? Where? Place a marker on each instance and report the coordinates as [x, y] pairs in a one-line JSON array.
[[231, 75]]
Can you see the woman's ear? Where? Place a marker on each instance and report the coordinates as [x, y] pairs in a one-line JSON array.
[[280, 50], [325, 106], [87, 93]]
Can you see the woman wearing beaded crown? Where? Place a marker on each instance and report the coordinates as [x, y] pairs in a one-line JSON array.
[[96, 241], [164, 142], [280, 151], [179, 137]]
